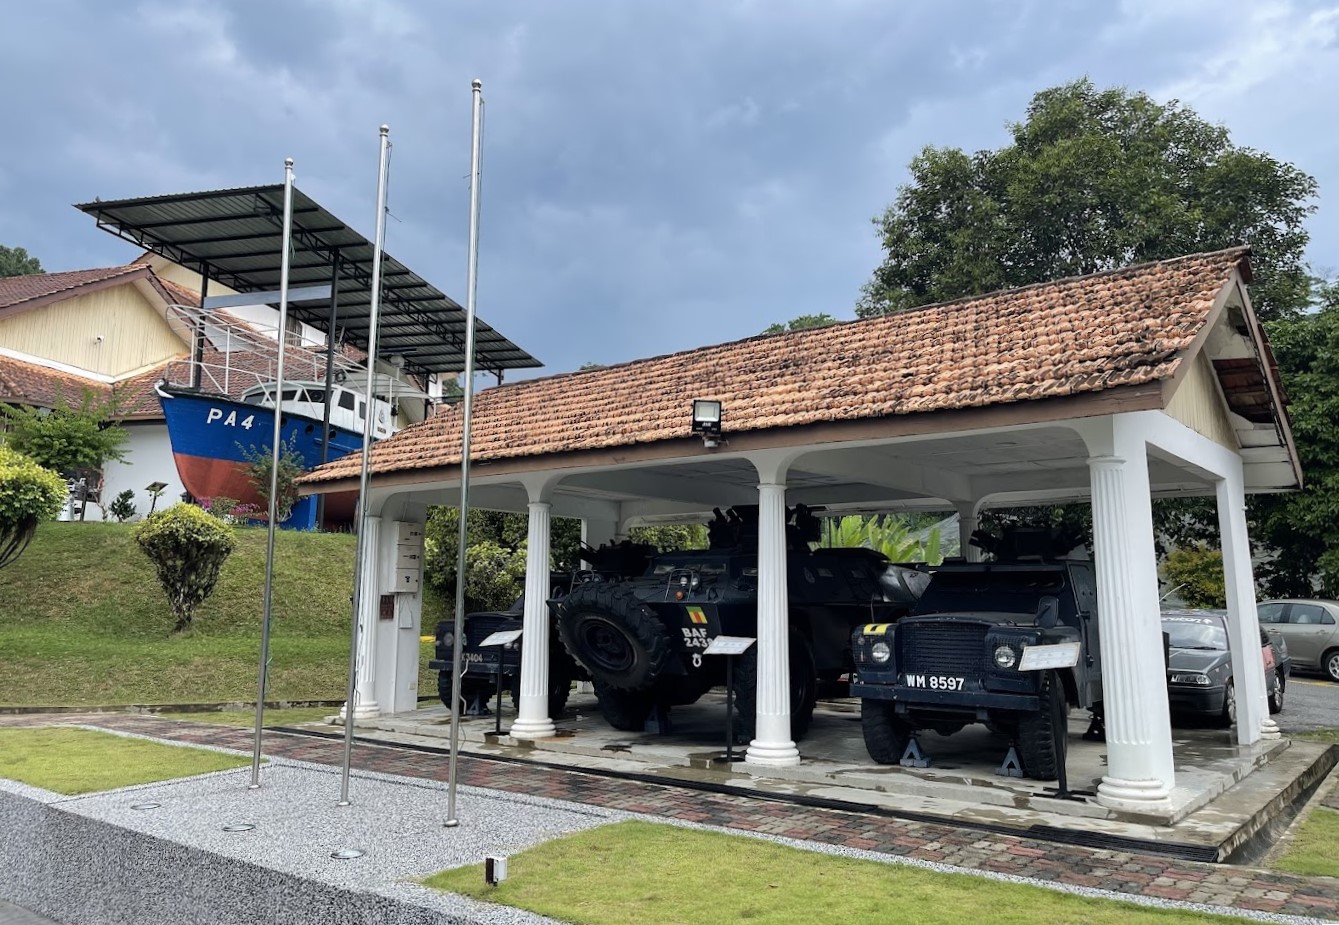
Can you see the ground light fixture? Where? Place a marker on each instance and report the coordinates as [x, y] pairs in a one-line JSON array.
[[495, 869], [346, 854], [707, 421], [239, 827]]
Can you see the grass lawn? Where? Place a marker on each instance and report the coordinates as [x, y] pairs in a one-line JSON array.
[[84, 621], [1320, 735], [1312, 851], [73, 761], [652, 874], [277, 717]]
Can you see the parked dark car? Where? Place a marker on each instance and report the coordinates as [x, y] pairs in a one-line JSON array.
[[1312, 630], [1199, 666]]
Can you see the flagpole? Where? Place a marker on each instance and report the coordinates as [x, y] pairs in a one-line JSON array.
[[275, 447], [467, 407], [360, 592]]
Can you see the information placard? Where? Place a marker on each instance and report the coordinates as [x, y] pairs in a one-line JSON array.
[[729, 645], [501, 638], [1040, 658]]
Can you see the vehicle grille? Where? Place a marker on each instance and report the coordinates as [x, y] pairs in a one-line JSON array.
[[480, 627], [942, 648]]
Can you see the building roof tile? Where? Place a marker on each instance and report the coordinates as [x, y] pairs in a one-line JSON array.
[[1068, 337], [15, 290]]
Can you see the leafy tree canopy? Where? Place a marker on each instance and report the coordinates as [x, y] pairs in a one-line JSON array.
[[1093, 180], [66, 438], [15, 261], [801, 323], [1300, 530]]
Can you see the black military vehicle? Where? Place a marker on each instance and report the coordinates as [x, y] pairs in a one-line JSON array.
[[642, 639], [479, 664], [959, 657]]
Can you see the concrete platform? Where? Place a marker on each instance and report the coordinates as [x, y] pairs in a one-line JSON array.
[[1226, 794]]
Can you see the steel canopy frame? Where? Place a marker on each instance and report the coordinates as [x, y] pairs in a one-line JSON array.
[[235, 237]]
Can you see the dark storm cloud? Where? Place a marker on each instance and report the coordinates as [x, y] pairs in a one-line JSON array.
[[657, 176]]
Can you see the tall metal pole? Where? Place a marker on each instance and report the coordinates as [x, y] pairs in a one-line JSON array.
[[360, 592], [329, 377], [467, 407], [276, 446]]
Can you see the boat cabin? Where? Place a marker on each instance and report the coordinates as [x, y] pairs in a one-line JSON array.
[[347, 406]]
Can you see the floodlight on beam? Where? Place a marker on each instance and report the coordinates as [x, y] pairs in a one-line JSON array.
[[707, 421]]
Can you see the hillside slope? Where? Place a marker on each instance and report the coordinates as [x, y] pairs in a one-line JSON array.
[[83, 620]]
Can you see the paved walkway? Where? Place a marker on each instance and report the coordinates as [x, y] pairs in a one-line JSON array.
[[14, 915], [1127, 872]]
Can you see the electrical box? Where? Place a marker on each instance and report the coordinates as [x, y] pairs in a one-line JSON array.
[[408, 558]]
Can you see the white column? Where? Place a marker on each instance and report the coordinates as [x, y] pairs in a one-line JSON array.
[[1243, 626], [772, 744], [1140, 773], [532, 720], [968, 523], [364, 696]]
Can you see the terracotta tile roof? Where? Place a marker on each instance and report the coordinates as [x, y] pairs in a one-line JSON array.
[[1072, 336], [30, 384], [15, 290]]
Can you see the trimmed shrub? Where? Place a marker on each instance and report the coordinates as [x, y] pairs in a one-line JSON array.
[[123, 506], [29, 494], [188, 547]]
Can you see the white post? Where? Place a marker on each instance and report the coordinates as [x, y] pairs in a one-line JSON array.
[[1140, 773], [369, 602], [969, 521], [1243, 626], [532, 719], [772, 745]]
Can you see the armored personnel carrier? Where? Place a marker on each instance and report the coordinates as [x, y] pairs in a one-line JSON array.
[[610, 562], [642, 639]]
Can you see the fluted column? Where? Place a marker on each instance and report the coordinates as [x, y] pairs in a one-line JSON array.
[[1243, 622], [772, 744], [369, 602], [1140, 773], [968, 522], [532, 720]]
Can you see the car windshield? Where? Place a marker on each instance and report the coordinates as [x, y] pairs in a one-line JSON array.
[[1195, 633], [1004, 591]]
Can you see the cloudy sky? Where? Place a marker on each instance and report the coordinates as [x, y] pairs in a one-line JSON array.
[[657, 175]]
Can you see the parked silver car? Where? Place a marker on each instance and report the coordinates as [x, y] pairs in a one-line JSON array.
[[1311, 628]]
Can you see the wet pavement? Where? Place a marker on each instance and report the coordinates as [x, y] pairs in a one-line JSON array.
[[1309, 703], [1224, 887]]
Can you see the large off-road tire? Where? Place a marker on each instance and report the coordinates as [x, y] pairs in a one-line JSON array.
[[618, 639], [803, 688], [1038, 748], [886, 736], [1276, 688], [468, 685], [623, 709]]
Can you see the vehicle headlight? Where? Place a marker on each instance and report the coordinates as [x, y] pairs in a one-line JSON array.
[[1005, 657], [880, 652], [448, 639], [1191, 677]]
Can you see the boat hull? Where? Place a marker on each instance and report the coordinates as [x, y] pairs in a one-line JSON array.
[[214, 440]]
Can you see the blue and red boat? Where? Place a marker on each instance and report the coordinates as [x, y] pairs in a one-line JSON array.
[[215, 438]]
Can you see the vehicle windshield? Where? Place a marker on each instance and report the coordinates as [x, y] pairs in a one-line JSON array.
[[997, 591], [1195, 633]]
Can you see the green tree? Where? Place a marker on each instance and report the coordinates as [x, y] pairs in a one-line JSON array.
[[188, 548], [890, 534], [66, 438], [15, 261], [29, 495], [1195, 574], [1092, 180], [801, 323], [1298, 532], [260, 463], [671, 537]]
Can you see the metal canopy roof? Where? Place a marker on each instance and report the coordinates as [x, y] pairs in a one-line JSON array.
[[235, 237]]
